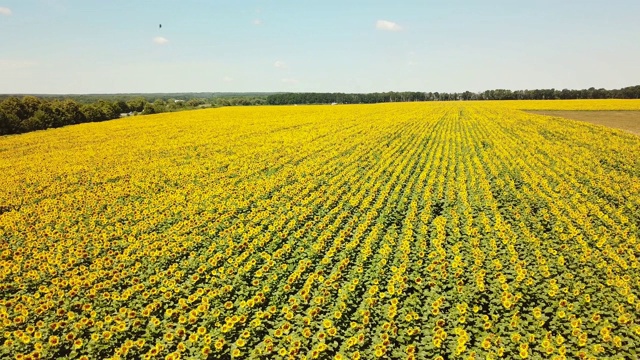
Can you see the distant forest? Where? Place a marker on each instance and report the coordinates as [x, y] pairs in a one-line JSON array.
[[25, 113], [30, 113], [632, 92]]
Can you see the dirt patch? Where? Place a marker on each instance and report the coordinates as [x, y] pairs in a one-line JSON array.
[[625, 120]]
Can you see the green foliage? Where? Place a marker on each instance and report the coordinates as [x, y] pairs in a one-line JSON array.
[[631, 92], [196, 102], [9, 124], [121, 106], [239, 101], [15, 107], [67, 112], [31, 104], [44, 117], [136, 104], [92, 113], [148, 109], [30, 113]]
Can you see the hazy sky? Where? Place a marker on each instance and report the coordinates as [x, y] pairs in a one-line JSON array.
[[110, 46]]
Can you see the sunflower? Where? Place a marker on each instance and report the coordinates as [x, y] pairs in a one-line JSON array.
[[321, 336], [153, 351], [77, 344], [524, 354], [54, 340], [515, 337], [486, 344], [206, 350], [617, 341], [219, 344]]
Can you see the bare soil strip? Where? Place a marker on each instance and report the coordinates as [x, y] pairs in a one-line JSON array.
[[625, 120]]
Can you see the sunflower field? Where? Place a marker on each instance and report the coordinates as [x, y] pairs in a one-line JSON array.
[[467, 230]]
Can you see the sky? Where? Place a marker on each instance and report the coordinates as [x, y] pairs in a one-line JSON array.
[[118, 46]]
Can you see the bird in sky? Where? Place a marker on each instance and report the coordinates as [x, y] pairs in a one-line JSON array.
[[160, 26]]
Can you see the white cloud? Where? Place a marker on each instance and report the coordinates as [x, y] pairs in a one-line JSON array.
[[160, 40], [5, 11], [280, 64], [227, 79], [289, 81], [257, 22], [387, 25]]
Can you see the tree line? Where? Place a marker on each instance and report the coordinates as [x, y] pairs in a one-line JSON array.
[[148, 97], [30, 113], [632, 92]]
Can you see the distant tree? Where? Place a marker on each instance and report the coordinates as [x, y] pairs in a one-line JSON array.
[[31, 104], [4, 124], [32, 124], [136, 104], [196, 102], [67, 112], [172, 105], [148, 109], [9, 124], [14, 106], [159, 106], [92, 113], [566, 94], [121, 106], [222, 102], [46, 116], [43, 118], [631, 92], [108, 109]]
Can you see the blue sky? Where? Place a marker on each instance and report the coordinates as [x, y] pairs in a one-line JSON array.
[[114, 46]]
